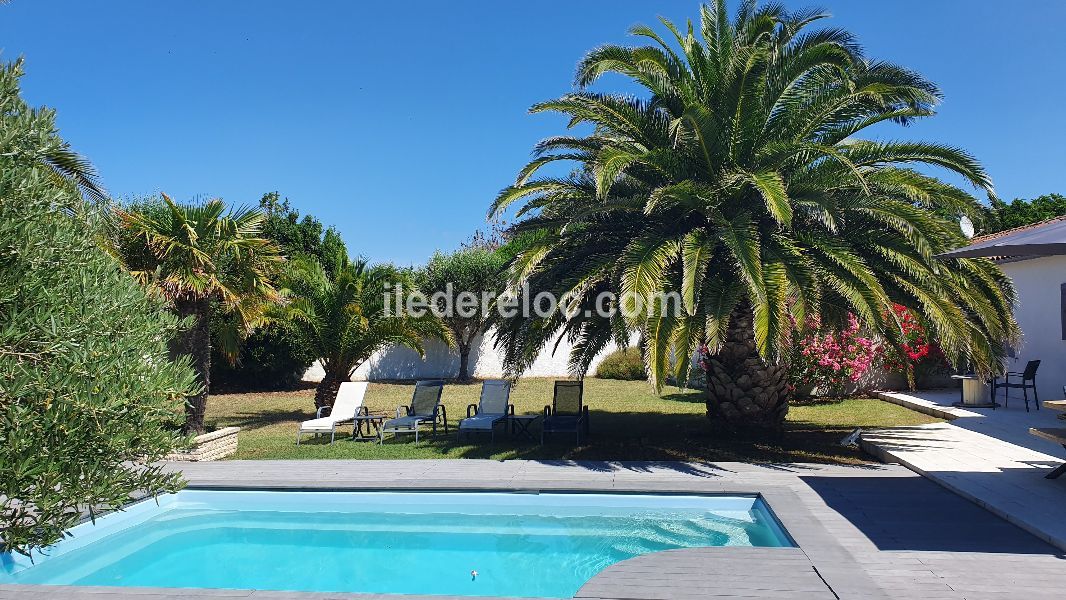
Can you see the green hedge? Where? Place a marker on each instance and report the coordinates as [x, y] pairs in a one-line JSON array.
[[623, 364]]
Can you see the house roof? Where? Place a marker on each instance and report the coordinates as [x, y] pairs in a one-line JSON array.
[[1047, 238], [1000, 234]]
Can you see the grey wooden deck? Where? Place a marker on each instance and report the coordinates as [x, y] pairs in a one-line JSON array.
[[863, 532]]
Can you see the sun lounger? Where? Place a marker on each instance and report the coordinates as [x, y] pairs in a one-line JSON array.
[[349, 401], [425, 407], [567, 414], [493, 407]]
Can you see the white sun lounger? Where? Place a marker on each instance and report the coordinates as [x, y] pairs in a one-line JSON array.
[[493, 407], [349, 402]]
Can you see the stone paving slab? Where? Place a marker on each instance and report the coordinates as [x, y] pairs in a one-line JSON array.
[[1004, 478], [1008, 423]]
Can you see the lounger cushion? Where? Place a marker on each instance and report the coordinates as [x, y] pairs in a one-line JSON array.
[[408, 422], [480, 422], [323, 424]]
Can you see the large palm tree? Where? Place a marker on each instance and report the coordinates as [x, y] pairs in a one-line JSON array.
[[740, 182], [201, 257], [342, 313]]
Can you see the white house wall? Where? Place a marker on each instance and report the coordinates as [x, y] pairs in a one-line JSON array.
[[442, 362], [1039, 313]]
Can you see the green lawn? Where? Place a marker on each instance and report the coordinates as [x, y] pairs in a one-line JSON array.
[[629, 422]]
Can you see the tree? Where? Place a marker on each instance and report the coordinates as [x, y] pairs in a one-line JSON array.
[[295, 235], [464, 284], [200, 257], [342, 313], [1000, 215], [48, 150], [740, 184], [271, 357], [86, 388]]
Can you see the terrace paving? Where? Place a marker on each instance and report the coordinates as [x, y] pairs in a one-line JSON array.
[[986, 456], [877, 531]]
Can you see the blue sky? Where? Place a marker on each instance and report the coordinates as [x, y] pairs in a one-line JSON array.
[[398, 122]]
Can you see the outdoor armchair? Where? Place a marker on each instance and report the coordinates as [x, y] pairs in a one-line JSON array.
[[1026, 381]]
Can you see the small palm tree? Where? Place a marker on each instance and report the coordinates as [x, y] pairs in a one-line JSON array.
[[342, 315], [740, 182], [201, 258]]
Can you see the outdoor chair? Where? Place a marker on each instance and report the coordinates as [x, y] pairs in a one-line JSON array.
[[425, 407], [1027, 382], [493, 407], [348, 403], [567, 414]]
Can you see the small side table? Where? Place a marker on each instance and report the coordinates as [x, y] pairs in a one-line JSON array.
[[520, 424], [972, 394], [373, 426]]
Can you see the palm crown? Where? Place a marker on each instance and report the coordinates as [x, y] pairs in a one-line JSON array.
[[201, 251], [43, 146], [342, 315], [741, 184]]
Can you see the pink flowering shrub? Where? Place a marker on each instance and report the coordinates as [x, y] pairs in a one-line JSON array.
[[832, 360], [917, 356]]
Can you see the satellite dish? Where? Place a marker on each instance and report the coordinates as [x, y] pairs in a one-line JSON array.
[[966, 225]]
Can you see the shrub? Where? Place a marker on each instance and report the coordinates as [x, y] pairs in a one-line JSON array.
[[270, 359], [832, 360], [626, 364], [86, 388], [917, 357]]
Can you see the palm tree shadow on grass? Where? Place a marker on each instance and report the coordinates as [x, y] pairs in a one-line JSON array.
[[266, 418], [639, 436], [689, 397]]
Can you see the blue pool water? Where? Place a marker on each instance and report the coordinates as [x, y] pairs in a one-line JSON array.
[[389, 542]]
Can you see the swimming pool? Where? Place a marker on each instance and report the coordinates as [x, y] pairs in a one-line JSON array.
[[461, 543]]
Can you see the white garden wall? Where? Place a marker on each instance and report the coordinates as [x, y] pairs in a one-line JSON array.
[[1039, 313], [443, 362]]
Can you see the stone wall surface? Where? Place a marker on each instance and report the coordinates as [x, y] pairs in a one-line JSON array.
[[209, 446]]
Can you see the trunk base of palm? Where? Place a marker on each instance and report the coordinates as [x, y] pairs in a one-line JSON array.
[[326, 392], [195, 342], [743, 391]]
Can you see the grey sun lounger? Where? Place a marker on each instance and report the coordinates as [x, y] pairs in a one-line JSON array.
[[425, 407], [493, 407], [567, 413]]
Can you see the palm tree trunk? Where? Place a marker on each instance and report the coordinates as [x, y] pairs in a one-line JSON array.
[[195, 342], [326, 392], [742, 389]]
